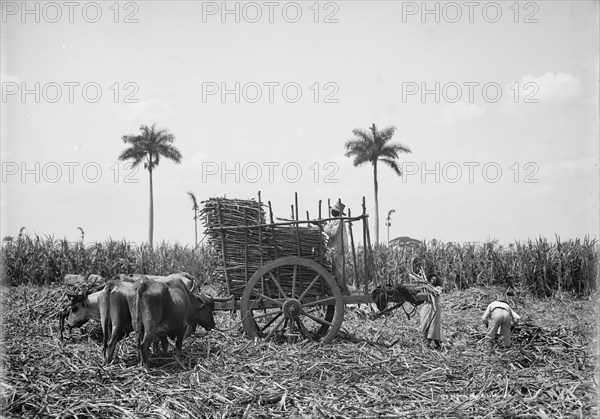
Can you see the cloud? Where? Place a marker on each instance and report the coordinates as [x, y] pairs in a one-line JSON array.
[[153, 109], [546, 89], [461, 111]]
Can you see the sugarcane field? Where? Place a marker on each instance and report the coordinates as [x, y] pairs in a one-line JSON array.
[[375, 365], [340, 209]]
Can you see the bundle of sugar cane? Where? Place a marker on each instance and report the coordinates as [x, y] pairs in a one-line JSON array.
[[233, 212], [241, 252], [306, 242], [422, 281]]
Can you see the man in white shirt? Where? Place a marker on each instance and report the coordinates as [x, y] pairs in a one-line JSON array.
[[499, 315]]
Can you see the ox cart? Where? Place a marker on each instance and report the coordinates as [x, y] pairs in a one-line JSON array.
[[279, 273]]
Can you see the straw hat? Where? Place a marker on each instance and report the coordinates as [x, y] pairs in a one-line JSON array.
[[339, 207]]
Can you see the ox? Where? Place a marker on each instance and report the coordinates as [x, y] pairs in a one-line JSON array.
[[90, 307], [85, 307], [168, 309], [115, 303]]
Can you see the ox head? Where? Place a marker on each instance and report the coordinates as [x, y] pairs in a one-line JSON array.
[[78, 312], [204, 313]]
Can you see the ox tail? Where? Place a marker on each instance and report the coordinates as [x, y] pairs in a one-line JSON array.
[[105, 321], [139, 328], [61, 321]]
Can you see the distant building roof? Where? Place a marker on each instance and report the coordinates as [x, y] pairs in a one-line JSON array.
[[405, 240]]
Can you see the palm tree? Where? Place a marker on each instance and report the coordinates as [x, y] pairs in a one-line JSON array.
[[195, 208], [388, 223], [149, 147], [82, 233], [373, 146]]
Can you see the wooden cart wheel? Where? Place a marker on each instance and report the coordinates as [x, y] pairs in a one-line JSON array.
[[292, 298]]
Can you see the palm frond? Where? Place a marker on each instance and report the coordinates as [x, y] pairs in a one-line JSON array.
[[391, 151], [149, 146], [356, 147], [136, 155], [362, 135], [387, 133], [360, 159], [194, 201], [393, 165], [169, 152]]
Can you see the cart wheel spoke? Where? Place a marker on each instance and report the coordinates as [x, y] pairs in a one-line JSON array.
[[262, 329], [314, 281], [290, 330], [294, 275], [276, 328], [307, 334], [264, 297], [324, 301], [269, 314], [277, 284], [318, 320]]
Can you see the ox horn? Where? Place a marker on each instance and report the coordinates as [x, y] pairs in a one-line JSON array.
[[79, 295], [222, 299], [207, 299]]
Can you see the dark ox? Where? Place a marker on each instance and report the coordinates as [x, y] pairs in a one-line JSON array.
[[168, 309], [84, 307], [117, 305], [89, 307], [116, 302]]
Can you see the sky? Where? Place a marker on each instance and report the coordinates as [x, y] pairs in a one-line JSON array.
[[497, 101]]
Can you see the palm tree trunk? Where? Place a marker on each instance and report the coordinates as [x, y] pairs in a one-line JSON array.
[[151, 222], [376, 189], [196, 230]]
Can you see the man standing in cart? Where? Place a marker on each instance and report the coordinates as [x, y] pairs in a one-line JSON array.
[[338, 243]]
